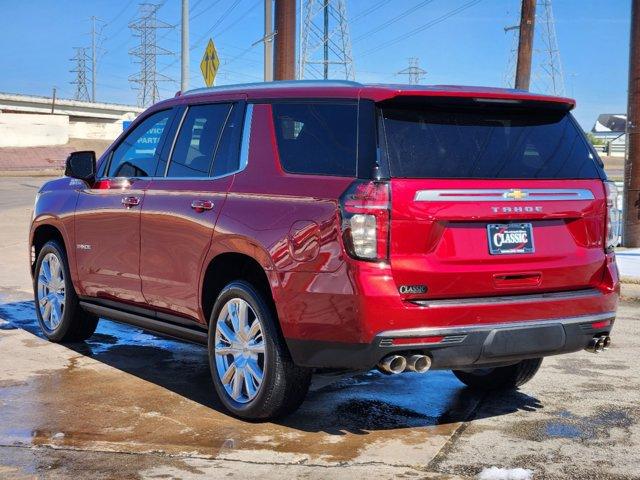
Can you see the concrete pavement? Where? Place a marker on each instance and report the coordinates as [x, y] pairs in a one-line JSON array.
[[126, 404]]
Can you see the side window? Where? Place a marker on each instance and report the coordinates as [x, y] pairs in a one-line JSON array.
[[198, 140], [317, 138], [137, 155], [228, 154]]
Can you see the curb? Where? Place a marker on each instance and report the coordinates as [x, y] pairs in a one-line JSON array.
[[630, 280]]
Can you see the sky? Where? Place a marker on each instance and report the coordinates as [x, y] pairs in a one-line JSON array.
[[456, 42]]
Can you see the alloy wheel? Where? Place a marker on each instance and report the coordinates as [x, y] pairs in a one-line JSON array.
[[51, 291], [239, 350]]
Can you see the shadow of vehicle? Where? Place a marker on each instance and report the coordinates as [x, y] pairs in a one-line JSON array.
[[356, 403]]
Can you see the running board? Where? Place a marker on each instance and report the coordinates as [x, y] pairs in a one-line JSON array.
[[158, 327]]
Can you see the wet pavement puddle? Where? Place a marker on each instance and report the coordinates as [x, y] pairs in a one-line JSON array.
[[126, 390]]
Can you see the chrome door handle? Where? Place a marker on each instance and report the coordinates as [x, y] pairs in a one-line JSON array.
[[130, 201], [202, 205]]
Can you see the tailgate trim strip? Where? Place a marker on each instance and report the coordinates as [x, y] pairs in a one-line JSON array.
[[484, 327], [504, 195], [508, 299]]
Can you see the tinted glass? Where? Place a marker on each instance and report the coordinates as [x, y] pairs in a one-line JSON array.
[[228, 156], [197, 140], [137, 155], [317, 138], [485, 144]]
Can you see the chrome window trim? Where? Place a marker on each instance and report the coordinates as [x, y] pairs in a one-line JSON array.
[[483, 327], [509, 299], [246, 137], [501, 195], [175, 140]]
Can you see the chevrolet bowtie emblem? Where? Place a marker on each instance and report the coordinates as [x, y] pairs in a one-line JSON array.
[[515, 194]]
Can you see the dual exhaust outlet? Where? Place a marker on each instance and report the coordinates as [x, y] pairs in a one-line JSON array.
[[394, 364], [599, 344]]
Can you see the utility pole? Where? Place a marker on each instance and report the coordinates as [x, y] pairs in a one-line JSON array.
[[414, 71], [285, 45], [53, 101], [268, 40], [94, 59], [184, 72], [525, 44], [631, 209]]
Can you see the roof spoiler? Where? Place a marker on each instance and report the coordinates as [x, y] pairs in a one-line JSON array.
[[481, 101]]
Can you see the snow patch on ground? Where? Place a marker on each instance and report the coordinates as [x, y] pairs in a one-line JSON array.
[[495, 473]]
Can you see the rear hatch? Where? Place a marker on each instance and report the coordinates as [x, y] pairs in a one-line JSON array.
[[491, 198]]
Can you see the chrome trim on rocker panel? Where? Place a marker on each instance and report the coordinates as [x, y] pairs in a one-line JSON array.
[[508, 299], [504, 195], [483, 327]]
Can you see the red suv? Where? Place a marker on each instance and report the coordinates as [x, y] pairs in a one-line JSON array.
[[298, 226]]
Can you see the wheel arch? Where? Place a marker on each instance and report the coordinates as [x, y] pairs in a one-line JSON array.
[[228, 266], [42, 234]]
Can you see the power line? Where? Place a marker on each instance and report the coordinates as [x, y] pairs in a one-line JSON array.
[[392, 20], [421, 28]]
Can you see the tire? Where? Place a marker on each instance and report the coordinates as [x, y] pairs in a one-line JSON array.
[[283, 385], [500, 378], [59, 314]]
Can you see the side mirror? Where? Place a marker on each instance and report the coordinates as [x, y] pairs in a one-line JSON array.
[[81, 165]]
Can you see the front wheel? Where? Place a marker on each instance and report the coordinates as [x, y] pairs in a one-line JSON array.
[[59, 314], [500, 378], [252, 370]]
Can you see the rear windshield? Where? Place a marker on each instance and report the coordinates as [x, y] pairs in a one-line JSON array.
[[473, 143]]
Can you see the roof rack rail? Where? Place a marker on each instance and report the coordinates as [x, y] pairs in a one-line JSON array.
[[275, 85]]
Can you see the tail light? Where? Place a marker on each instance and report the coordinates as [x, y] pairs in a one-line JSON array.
[[365, 220], [613, 216]]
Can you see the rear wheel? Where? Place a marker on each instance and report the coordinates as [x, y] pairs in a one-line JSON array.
[[500, 378], [252, 370], [59, 314]]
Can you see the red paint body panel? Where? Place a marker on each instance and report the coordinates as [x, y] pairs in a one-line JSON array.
[[155, 255]]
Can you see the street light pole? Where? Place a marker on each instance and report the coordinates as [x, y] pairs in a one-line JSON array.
[[268, 41], [184, 57]]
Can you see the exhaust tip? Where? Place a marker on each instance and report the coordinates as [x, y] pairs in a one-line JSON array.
[[599, 344], [392, 364], [418, 363]]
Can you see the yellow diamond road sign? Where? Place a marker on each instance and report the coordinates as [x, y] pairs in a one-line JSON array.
[[209, 64]]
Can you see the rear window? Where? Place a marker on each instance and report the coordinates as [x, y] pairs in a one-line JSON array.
[[467, 143], [317, 138]]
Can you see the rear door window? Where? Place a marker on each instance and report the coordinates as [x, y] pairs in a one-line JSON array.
[[317, 138], [474, 143], [137, 155], [198, 140]]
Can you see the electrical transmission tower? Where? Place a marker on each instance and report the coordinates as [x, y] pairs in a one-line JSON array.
[[146, 54], [413, 71], [326, 45], [550, 67], [547, 76], [80, 59]]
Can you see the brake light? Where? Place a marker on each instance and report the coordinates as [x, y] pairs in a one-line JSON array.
[[365, 220], [613, 216]]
